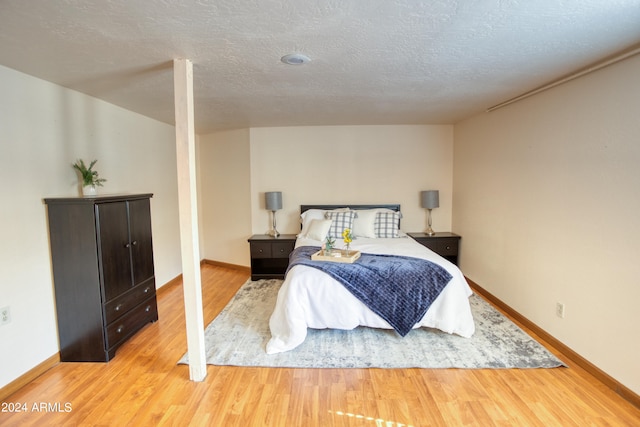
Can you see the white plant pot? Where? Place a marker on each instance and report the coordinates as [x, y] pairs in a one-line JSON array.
[[89, 191]]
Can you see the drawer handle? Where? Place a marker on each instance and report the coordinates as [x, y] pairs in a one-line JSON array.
[[127, 245], [147, 289], [120, 329], [260, 250], [448, 247], [118, 307], [148, 309], [135, 242]]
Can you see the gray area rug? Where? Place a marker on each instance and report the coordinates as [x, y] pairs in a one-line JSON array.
[[238, 337]]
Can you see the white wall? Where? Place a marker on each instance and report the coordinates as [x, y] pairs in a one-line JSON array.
[[45, 128], [547, 195], [225, 188], [351, 164]]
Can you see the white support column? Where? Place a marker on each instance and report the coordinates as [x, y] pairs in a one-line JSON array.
[[188, 207]]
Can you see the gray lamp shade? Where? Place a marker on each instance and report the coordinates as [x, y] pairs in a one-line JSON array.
[[430, 199], [273, 200]]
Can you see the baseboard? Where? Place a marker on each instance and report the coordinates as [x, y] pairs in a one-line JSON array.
[[178, 279], [31, 375], [566, 351], [170, 284], [227, 265]]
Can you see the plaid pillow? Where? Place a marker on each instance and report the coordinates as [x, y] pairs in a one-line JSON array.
[[340, 221], [387, 224]]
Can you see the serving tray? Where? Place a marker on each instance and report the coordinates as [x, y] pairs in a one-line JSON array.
[[337, 255]]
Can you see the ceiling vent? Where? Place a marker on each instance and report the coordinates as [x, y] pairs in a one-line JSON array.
[[295, 59]]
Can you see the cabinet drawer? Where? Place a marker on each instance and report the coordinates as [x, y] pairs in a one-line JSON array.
[[131, 322], [442, 247], [121, 305], [261, 250], [281, 249]]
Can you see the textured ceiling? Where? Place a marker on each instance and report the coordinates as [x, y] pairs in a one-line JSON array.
[[372, 61]]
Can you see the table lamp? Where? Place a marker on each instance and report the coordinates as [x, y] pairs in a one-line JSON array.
[[273, 202], [429, 199]]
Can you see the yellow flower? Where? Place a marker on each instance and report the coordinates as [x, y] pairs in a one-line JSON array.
[[346, 235]]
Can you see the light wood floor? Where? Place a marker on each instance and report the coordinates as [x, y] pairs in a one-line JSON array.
[[144, 386]]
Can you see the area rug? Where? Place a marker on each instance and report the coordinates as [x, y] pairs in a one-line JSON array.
[[239, 334]]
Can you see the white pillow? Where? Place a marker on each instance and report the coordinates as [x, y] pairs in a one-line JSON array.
[[363, 224], [308, 215], [318, 229]]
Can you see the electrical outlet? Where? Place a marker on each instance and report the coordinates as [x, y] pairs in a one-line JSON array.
[[560, 310], [5, 315]]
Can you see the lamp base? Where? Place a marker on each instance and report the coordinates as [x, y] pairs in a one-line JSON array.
[[429, 231], [274, 230], [273, 233]]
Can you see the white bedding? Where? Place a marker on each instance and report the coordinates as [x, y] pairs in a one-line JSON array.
[[310, 298]]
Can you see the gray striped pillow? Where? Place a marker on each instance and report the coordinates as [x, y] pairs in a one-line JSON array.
[[387, 224], [340, 221]]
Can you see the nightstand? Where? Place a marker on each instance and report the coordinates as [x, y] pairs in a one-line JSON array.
[[444, 244], [270, 255]]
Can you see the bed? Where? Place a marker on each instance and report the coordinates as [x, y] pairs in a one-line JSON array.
[[311, 298]]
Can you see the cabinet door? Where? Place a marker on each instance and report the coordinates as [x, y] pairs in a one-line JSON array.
[[141, 244], [113, 232]]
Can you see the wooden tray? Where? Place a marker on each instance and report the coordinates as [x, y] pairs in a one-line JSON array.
[[337, 255]]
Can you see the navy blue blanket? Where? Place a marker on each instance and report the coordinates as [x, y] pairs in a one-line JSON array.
[[399, 289]]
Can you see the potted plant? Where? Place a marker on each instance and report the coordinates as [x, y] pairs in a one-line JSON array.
[[328, 246], [90, 178]]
